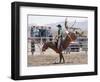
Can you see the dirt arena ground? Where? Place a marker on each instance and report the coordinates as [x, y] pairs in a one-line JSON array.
[[50, 58]]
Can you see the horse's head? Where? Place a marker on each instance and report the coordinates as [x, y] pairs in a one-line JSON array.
[[44, 47], [72, 36]]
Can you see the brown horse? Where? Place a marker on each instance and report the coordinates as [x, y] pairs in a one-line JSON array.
[[65, 43]]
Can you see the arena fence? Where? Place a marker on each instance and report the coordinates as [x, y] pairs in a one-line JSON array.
[[80, 46]]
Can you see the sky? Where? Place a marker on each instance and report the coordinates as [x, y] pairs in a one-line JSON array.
[[44, 20]]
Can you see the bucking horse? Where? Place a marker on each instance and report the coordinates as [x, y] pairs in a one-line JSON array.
[[70, 37]]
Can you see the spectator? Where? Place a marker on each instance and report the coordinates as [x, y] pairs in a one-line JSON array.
[[32, 47], [49, 33], [37, 32], [32, 31]]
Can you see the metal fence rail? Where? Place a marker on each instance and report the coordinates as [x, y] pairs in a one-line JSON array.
[[40, 40]]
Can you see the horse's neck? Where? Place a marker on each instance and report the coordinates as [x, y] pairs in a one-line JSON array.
[[66, 42]]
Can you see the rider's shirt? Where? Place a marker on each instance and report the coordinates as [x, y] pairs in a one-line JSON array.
[[60, 37], [60, 33]]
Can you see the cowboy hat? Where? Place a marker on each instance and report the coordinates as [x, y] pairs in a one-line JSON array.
[[59, 25]]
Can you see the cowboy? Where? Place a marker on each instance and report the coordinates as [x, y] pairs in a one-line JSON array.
[[60, 37]]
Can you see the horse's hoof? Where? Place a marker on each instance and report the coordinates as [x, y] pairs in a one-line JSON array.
[[55, 63], [59, 62]]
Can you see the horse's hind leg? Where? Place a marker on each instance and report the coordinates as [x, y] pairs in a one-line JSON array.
[[62, 57]]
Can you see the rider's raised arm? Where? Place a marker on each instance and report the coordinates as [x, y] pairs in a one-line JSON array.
[[66, 26]]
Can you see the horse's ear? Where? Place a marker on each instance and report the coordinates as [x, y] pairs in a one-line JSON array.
[[44, 42], [75, 32]]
